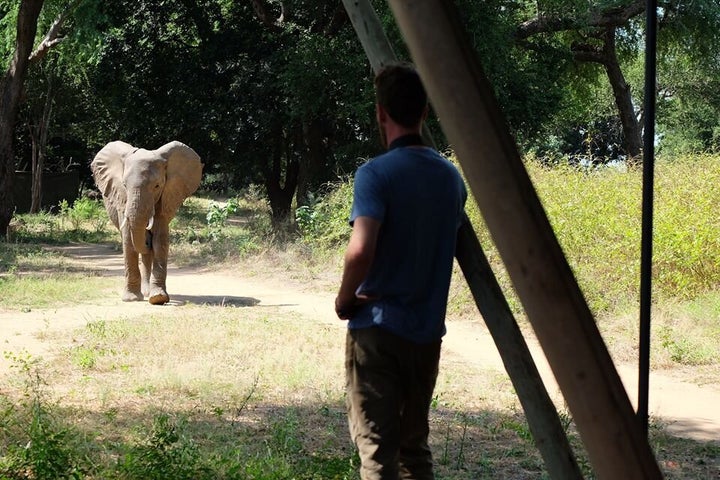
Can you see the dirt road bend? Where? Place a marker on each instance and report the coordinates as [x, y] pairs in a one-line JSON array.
[[688, 410]]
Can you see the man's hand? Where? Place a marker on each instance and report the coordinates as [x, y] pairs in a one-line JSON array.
[[346, 308]]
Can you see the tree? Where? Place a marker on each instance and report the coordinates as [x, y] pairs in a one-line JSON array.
[[593, 35], [11, 88], [610, 34]]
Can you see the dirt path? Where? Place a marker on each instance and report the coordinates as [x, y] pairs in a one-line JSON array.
[[689, 410]]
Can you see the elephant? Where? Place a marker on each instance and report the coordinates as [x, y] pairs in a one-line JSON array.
[[142, 191]]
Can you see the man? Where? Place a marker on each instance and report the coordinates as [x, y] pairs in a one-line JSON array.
[[408, 204]]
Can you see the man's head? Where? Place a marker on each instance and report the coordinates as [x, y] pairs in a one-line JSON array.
[[401, 94]]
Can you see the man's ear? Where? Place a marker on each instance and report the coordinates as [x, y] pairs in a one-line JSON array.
[[381, 114]]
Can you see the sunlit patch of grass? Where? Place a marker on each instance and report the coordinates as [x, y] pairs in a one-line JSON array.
[[54, 289]]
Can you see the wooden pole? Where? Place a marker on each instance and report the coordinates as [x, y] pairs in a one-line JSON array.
[[540, 412], [563, 323]]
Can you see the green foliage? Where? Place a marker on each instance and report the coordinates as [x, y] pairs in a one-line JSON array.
[[685, 351], [35, 442], [165, 452], [203, 230], [85, 211], [217, 216], [324, 223], [596, 216], [84, 221]]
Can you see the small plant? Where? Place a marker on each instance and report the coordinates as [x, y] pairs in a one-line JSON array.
[[37, 443], [682, 350], [82, 211], [324, 223], [217, 216], [164, 453]]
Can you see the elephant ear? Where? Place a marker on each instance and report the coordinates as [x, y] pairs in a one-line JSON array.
[[184, 172], [107, 169]]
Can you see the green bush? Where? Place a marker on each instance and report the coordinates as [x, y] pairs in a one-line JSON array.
[[596, 215], [324, 224], [35, 442], [84, 211], [597, 218], [165, 452]]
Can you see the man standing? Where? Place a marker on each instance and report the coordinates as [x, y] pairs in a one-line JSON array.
[[407, 207]]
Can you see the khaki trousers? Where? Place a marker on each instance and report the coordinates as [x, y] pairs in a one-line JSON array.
[[390, 383]]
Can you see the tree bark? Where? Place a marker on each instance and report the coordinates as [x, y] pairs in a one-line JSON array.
[[607, 57], [10, 90], [314, 155], [39, 134], [632, 133], [281, 179]]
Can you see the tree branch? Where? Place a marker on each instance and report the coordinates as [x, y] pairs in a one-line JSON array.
[[52, 37], [337, 21], [263, 14], [584, 52], [613, 17]]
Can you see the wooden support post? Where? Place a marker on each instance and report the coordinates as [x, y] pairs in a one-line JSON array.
[[563, 323], [540, 412]]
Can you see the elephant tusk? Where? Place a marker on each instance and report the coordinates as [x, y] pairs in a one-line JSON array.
[[150, 223], [124, 221]]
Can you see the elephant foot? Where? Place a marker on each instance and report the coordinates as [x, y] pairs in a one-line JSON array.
[[158, 296], [129, 296]]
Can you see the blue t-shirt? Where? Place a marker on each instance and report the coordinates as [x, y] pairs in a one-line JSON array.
[[418, 196]]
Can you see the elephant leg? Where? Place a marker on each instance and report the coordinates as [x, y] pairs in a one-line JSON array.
[[132, 290], [160, 244], [145, 269]]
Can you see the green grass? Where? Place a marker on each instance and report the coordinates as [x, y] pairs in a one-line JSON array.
[[257, 393], [51, 290]]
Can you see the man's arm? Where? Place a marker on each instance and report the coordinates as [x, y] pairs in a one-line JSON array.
[[358, 259]]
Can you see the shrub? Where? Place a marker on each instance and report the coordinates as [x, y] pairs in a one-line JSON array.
[[84, 211], [324, 223]]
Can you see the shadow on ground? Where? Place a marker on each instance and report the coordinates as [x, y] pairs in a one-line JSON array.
[[214, 300]]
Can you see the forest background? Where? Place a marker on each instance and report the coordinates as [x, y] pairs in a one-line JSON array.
[[279, 95]]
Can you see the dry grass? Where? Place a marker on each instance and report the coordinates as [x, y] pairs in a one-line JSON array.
[[255, 376]]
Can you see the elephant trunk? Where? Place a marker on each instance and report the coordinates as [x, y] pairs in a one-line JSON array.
[[141, 239], [140, 221]]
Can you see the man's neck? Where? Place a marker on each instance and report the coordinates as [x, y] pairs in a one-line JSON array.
[[408, 140], [392, 134]]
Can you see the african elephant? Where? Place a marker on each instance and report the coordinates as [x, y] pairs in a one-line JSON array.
[[142, 190]]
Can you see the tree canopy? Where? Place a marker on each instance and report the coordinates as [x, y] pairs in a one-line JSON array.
[[279, 94]]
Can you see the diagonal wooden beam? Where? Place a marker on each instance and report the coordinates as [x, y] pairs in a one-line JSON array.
[[540, 412], [556, 308]]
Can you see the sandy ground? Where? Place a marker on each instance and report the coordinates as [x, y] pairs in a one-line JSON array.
[[688, 410]]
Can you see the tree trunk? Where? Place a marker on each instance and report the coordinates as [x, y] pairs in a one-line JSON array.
[[607, 57], [313, 160], [37, 168], [281, 183], [39, 134], [632, 133], [10, 90]]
